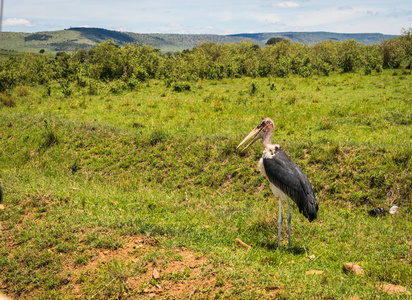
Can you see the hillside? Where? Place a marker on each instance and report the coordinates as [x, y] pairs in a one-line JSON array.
[[86, 38], [316, 37]]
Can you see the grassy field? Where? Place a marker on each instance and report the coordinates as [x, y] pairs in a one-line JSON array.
[[115, 193]]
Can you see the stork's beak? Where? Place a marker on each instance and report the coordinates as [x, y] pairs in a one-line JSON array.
[[258, 132]]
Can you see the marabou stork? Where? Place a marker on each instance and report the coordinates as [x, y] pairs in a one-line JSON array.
[[286, 179]]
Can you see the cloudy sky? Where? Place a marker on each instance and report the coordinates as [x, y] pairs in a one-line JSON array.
[[210, 16]]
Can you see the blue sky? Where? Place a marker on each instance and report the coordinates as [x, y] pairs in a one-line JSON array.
[[210, 16]]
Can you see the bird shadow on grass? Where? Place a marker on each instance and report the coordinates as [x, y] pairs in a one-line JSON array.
[[295, 250], [263, 234]]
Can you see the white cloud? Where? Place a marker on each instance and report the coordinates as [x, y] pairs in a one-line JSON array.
[[326, 17], [17, 22], [287, 4]]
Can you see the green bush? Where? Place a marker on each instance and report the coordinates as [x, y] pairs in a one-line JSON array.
[[181, 87], [7, 100], [133, 63]]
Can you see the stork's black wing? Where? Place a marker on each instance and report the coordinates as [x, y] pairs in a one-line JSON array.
[[288, 177]]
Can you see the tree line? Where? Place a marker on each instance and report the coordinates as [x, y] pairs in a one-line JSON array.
[[133, 63]]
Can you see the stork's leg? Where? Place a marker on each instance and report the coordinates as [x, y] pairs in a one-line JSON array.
[[289, 219], [280, 221]]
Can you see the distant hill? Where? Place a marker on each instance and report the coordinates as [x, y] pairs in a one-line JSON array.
[[86, 38], [320, 36]]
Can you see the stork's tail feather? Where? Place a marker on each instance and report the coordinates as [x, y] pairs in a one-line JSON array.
[[310, 211]]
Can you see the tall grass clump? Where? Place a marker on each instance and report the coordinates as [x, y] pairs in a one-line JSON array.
[[50, 136], [7, 100]]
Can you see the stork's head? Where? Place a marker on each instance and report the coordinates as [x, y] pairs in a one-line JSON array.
[[263, 129]]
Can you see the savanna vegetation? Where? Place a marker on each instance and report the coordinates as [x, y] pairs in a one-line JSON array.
[[121, 177], [133, 63], [86, 38]]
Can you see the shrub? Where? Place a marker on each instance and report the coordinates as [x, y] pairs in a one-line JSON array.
[[253, 90], [66, 90], [7, 79], [132, 83], [22, 91], [49, 135], [117, 87], [180, 87], [7, 100], [92, 88]]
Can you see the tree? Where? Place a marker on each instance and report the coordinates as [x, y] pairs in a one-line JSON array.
[[273, 41]]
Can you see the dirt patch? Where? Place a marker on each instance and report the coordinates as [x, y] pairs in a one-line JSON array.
[[146, 270], [137, 267], [394, 289]]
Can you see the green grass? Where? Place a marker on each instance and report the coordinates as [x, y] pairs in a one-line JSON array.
[[84, 174]]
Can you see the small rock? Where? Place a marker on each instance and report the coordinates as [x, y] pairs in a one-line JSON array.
[[393, 289], [353, 268], [1, 206], [155, 274], [393, 209], [312, 257], [193, 265], [316, 272]]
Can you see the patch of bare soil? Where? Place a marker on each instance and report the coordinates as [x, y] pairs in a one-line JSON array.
[[394, 289], [180, 274]]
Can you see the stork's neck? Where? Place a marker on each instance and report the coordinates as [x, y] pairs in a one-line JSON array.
[[266, 138]]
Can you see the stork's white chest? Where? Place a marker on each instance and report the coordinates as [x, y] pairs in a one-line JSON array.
[[268, 154]]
